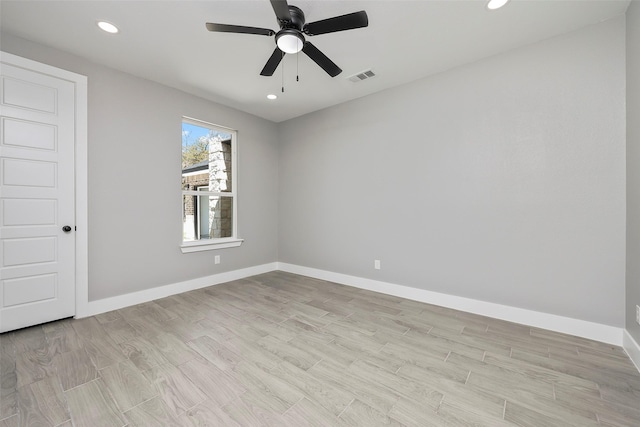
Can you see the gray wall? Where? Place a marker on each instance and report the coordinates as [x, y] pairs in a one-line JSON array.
[[633, 168], [134, 149], [502, 181]]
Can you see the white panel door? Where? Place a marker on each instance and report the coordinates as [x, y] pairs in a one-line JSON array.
[[37, 140]]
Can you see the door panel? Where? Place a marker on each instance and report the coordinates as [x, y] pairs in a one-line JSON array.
[[28, 173], [28, 212], [30, 289], [26, 134], [28, 251], [37, 141], [29, 94]]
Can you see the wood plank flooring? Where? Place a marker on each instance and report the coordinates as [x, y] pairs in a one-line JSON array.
[[285, 350]]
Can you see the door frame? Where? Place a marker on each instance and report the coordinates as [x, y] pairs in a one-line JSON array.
[[80, 173]]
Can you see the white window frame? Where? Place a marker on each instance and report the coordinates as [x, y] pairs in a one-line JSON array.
[[221, 242]]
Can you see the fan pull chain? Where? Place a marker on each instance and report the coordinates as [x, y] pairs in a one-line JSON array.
[[297, 72], [282, 60]]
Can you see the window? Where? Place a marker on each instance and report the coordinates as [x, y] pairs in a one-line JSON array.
[[209, 186]]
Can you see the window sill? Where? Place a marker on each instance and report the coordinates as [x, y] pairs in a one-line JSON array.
[[210, 246]]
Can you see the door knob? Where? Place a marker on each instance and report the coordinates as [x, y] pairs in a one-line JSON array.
[[66, 228]]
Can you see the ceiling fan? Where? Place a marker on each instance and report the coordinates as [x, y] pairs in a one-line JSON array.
[[290, 38]]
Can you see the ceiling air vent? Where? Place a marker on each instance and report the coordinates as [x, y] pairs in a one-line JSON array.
[[361, 76]]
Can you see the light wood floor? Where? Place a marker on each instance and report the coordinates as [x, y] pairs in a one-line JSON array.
[[285, 350]]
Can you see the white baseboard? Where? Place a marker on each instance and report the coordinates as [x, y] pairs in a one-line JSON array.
[[108, 304], [567, 325], [581, 328], [632, 348]]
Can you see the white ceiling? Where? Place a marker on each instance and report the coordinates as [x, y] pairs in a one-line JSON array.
[[166, 41]]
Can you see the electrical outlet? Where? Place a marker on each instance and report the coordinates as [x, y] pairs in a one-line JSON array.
[[376, 264], [216, 259], [638, 314]]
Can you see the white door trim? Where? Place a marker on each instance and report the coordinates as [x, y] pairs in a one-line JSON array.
[[81, 190]]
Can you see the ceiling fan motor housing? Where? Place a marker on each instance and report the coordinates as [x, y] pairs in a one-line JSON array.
[[290, 38], [297, 19]]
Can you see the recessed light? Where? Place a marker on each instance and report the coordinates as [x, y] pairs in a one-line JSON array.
[[272, 96], [496, 4], [108, 27]]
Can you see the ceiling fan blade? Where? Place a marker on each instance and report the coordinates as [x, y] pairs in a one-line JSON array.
[[338, 23], [321, 59], [281, 8], [272, 63], [225, 28]]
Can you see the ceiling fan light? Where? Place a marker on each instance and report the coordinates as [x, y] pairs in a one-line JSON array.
[[289, 41]]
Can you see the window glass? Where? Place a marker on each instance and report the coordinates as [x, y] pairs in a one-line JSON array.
[[208, 187]]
